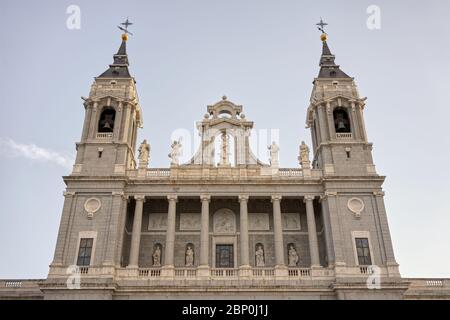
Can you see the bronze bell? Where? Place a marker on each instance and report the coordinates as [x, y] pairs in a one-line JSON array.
[[341, 124], [106, 125]]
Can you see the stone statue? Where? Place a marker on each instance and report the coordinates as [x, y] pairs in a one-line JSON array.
[[224, 153], [259, 255], [293, 256], [157, 257], [304, 156], [189, 257], [274, 149], [175, 153], [144, 154]]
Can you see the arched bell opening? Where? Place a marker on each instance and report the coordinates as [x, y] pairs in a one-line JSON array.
[[341, 121], [106, 121]]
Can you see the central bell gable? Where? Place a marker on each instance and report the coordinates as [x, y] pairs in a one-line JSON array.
[[226, 122]]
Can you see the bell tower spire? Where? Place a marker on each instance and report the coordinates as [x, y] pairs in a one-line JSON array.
[[112, 117], [335, 117]]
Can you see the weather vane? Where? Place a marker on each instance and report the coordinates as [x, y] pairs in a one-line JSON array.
[[321, 25], [127, 23]]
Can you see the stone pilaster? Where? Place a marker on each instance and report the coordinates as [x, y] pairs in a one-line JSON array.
[[391, 263], [168, 268], [203, 269], [327, 230], [113, 232], [58, 259], [136, 233], [312, 232]]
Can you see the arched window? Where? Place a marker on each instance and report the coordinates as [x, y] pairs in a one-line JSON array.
[[341, 120], [260, 260], [106, 121]]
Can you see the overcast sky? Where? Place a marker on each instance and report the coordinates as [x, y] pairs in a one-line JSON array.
[[261, 54]]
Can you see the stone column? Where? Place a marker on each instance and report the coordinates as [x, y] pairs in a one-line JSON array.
[[87, 119], [136, 235], [312, 233], [93, 118], [243, 218], [170, 237], [203, 269], [118, 122], [278, 234]]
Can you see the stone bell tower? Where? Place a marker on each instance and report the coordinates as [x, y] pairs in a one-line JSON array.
[[335, 117], [113, 115]]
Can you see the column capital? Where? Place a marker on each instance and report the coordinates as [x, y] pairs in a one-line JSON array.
[[172, 197], [330, 194], [68, 194], [243, 197], [276, 197], [139, 197], [205, 197], [308, 197], [378, 194], [119, 194]]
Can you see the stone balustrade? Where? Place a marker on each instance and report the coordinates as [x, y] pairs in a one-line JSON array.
[[104, 135]]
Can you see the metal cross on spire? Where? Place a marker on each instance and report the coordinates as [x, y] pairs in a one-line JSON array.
[[321, 25], [127, 23]]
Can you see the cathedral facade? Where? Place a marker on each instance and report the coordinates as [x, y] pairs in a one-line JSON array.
[[224, 224]]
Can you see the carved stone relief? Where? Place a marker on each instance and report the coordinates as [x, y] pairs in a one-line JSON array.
[[224, 221], [258, 221], [190, 221], [291, 221], [157, 221]]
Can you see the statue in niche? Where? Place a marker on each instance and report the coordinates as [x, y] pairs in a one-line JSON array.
[[224, 153], [176, 152], [157, 256], [144, 153], [259, 255], [189, 256], [292, 256], [274, 149]]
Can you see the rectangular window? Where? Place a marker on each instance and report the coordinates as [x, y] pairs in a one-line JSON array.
[[85, 251], [363, 251], [224, 256]]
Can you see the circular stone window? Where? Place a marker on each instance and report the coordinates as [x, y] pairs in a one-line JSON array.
[[91, 206], [356, 206]]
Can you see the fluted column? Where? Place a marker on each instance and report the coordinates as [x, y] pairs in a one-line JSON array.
[[136, 233], [312, 233], [278, 231], [170, 234], [243, 200], [204, 233]]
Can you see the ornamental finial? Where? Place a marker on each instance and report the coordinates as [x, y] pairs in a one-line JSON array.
[[321, 26], [125, 34]]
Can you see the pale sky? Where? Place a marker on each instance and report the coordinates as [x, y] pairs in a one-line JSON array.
[[261, 54]]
